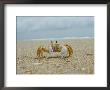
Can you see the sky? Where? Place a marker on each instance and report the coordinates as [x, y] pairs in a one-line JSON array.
[[44, 27]]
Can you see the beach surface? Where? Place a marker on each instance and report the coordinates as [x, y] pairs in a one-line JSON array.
[[81, 62]]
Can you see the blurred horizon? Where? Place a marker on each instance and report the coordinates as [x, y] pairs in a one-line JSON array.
[[45, 27]]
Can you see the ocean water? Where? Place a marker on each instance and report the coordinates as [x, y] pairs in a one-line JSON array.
[[65, 38]]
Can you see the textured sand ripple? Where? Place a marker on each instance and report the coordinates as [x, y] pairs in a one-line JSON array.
[[82, 61]]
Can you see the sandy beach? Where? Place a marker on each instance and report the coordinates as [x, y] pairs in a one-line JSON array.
[[81, 62]]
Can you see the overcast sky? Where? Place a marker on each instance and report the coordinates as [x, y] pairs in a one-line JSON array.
[[54, 27]]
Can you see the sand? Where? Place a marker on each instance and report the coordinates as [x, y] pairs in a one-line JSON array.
[[81, 62]]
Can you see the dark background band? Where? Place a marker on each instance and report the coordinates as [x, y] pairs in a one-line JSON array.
[[2, 49]]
